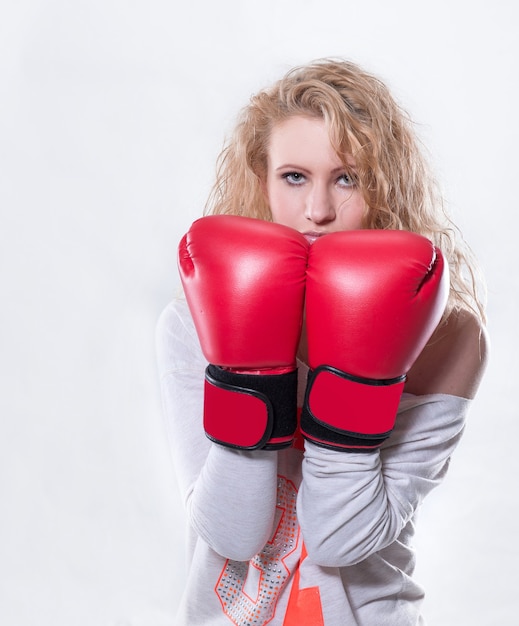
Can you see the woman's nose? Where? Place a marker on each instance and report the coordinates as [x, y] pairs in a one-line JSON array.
[[320, 208]]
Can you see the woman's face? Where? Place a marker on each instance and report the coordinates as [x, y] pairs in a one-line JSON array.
[[306, 185]]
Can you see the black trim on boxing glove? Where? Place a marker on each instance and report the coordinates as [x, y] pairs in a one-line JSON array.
[[277, 393], [338, 405]]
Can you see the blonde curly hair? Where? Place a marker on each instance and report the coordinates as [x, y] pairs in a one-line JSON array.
[[366, 122]]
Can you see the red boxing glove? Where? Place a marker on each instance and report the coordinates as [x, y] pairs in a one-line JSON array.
[[244, 281], [373, 299]]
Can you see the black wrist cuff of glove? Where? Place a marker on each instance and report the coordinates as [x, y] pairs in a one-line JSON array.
[[349, 413], [231, 415]]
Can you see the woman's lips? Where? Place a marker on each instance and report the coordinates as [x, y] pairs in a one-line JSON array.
[[312, 236]]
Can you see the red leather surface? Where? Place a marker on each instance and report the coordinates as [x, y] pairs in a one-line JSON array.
[[345, 405], [239, 418], [244, 281], [373, 299]]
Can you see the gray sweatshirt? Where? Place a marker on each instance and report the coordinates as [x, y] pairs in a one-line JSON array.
[[303, 536]]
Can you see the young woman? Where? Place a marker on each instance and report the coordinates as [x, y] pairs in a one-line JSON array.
[[310, 520]]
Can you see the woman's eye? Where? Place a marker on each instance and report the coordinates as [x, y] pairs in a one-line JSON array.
[[294, 178], [345, 180]]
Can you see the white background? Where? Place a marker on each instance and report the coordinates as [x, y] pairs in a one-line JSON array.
[[111, 115]]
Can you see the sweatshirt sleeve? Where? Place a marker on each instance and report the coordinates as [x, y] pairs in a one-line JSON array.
[[352, 504], [229, 495]]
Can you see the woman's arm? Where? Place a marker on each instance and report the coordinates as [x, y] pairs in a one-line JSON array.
[[354, 504], [230, 495], [454, 359]]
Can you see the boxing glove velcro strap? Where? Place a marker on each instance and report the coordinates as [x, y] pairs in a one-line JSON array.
[[342, 411], [250, 412]]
